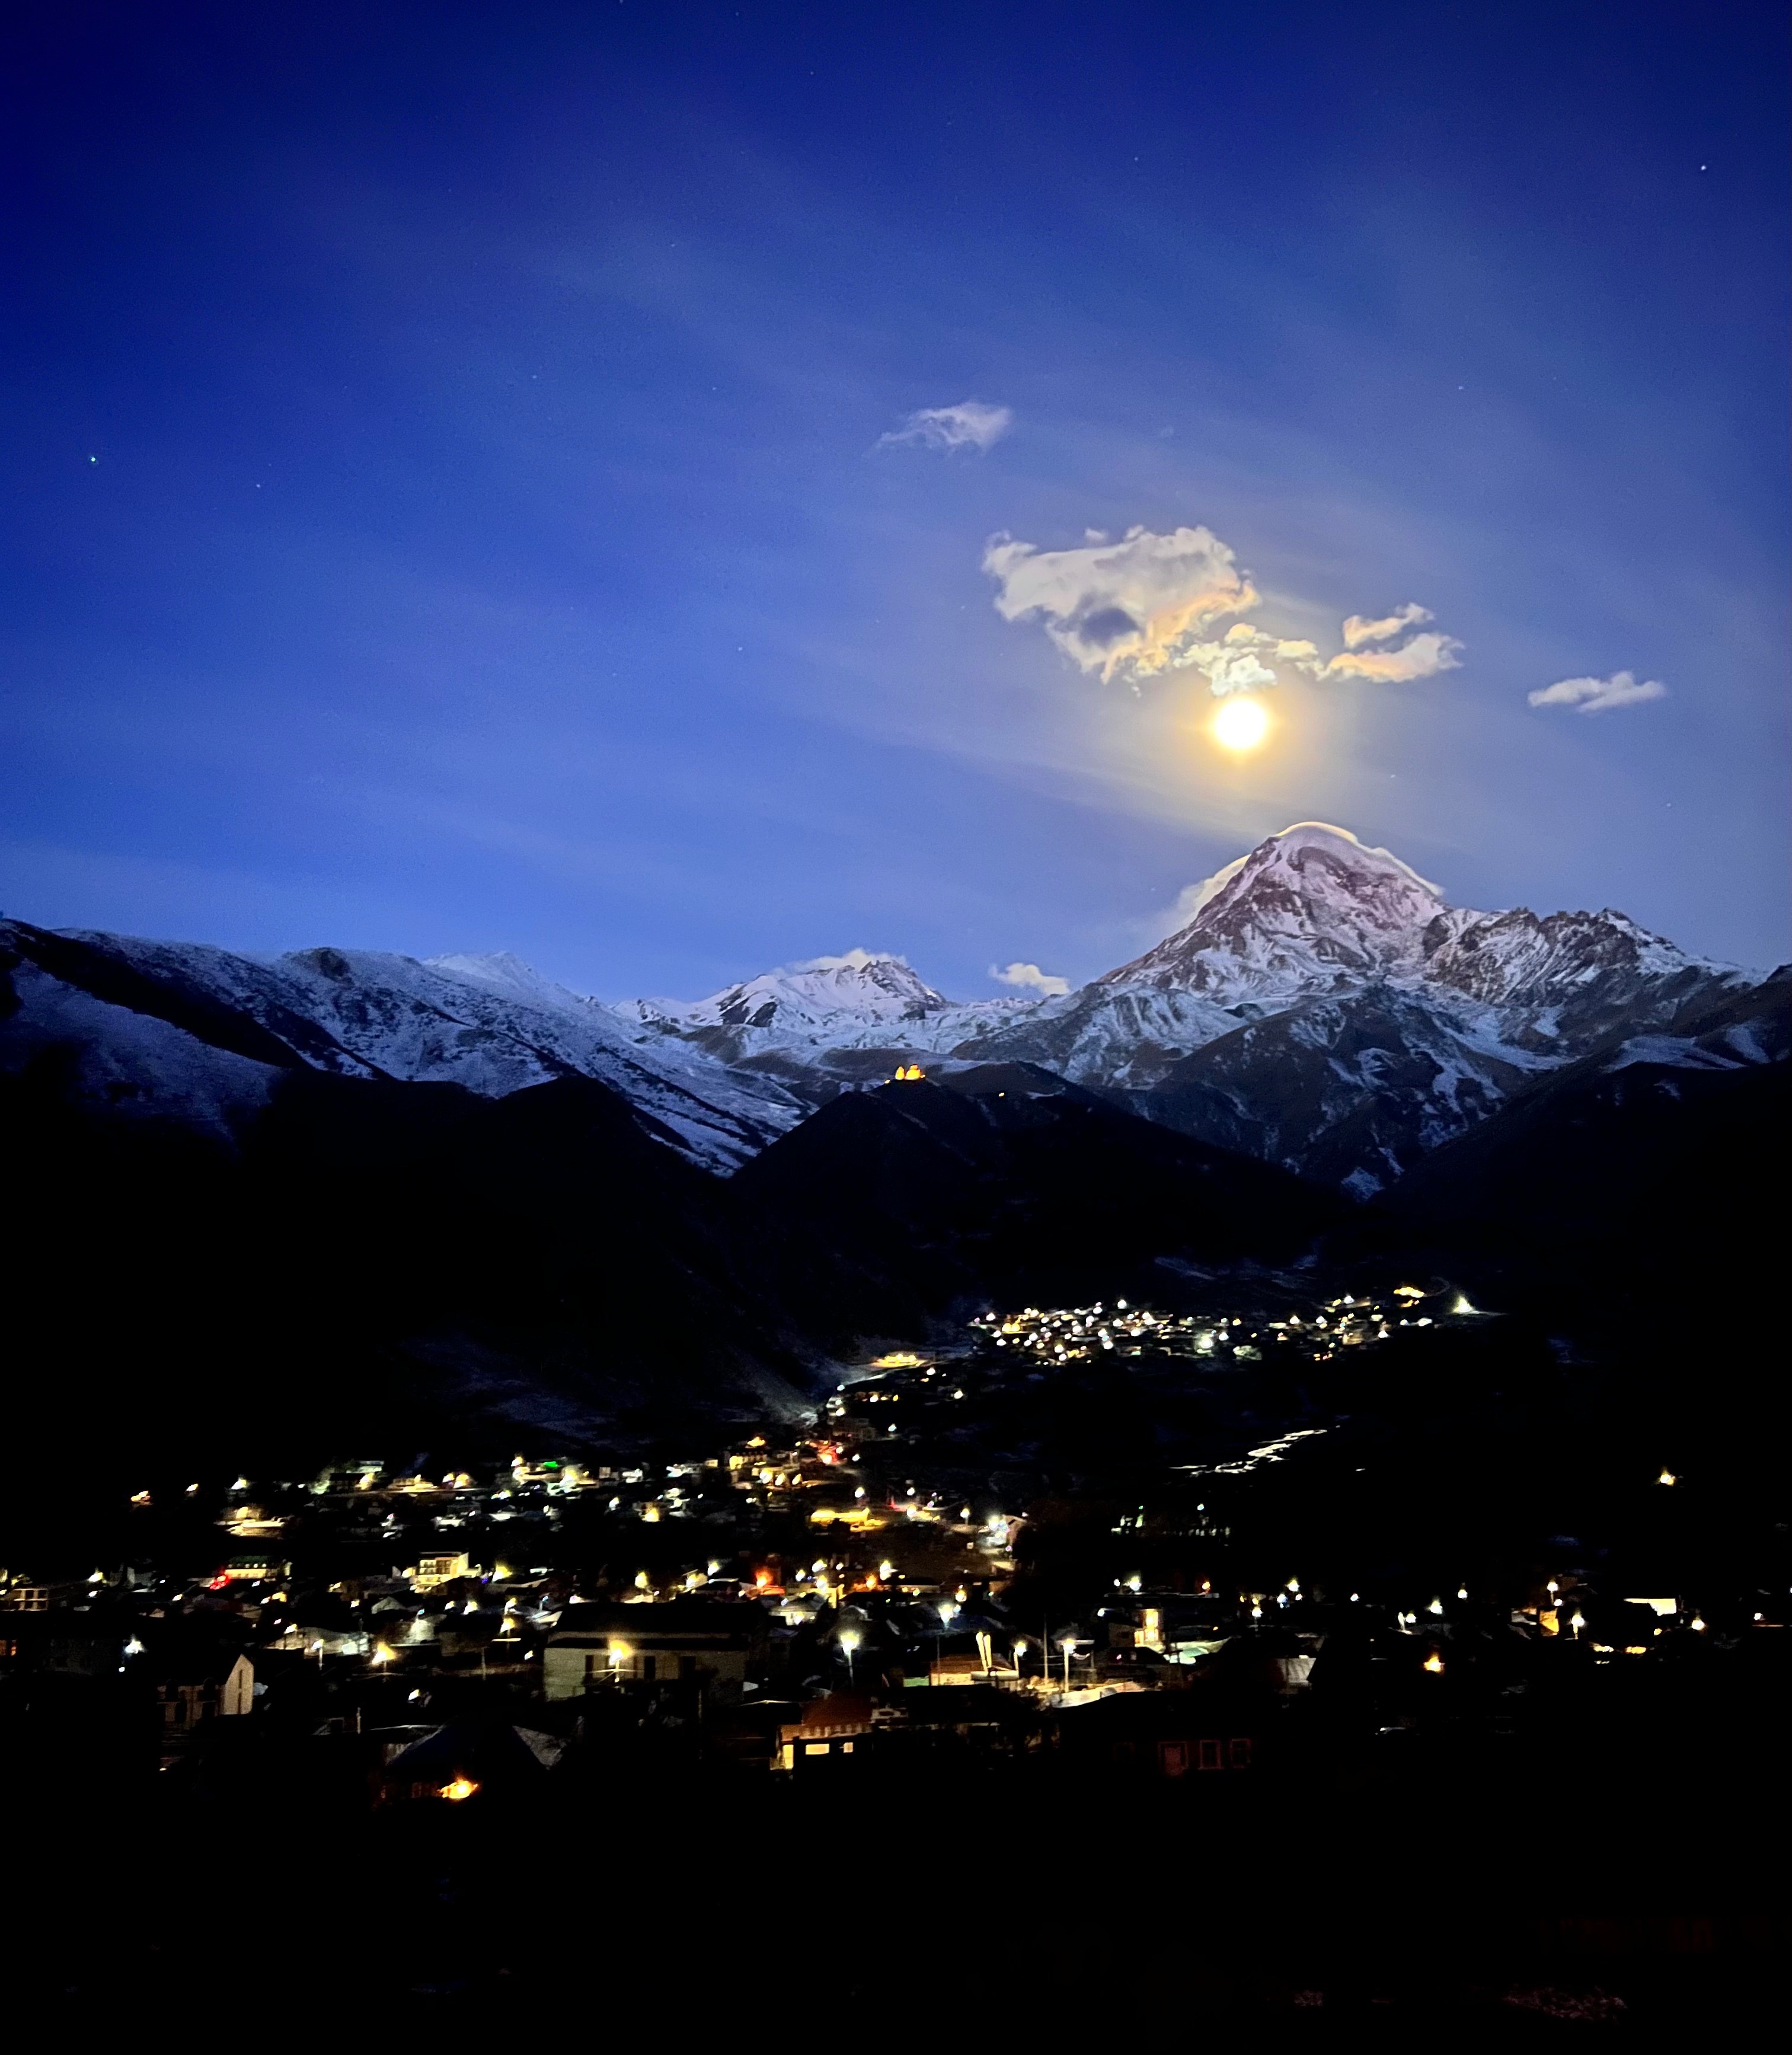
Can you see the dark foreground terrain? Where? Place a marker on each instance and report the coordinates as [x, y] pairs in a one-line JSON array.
[[1452, 1901]]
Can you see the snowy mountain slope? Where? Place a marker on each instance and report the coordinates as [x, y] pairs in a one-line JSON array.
[[106, 1055], [1352, 1087], [807, 1012], [489, 1025]]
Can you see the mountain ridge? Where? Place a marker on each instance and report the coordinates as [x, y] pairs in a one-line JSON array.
[[1325, 1008]]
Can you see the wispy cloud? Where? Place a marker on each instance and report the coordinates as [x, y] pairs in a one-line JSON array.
[[1599, 695], [1149, 603], [1171, 920], [1357, 631], [969, 425], [1422, 656], [1031, 978]]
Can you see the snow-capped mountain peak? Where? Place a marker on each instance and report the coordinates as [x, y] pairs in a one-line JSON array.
[[859, 986], [1310, 910]]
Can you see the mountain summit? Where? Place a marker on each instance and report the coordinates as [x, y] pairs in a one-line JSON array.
[[1311, 908]]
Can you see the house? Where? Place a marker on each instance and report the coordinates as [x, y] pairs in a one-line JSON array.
[[714, 1643], [189, 1692], [831, 1730]]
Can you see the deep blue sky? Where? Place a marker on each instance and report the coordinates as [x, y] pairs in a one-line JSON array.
[[445, 507]]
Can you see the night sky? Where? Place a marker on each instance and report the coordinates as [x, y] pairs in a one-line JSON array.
[[621, 483]]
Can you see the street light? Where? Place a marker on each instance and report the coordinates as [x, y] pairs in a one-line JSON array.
[[1068, 1643], [849, 1641]]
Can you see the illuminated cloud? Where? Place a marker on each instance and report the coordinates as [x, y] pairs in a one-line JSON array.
[[1423, 656], [1357, 631], [1599, 694], [1031, 978], [969, 425], [1124, 609], [1148, 603]]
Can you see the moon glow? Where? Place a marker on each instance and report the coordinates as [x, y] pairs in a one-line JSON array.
[[1240, 724]]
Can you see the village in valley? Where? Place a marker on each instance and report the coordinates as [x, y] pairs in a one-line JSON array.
[[1045, 1548]]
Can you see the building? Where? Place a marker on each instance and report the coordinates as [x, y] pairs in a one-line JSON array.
[[256, 1568], [713, 1643], [434, 1571], [189, 1694], [831, 1730]]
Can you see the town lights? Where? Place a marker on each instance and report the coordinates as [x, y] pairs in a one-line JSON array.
[[1667, 1476], [1433, 1664], [849, 1641], [620, 1652], [459, 1788]]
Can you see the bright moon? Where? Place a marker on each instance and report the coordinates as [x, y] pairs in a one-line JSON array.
[[1240, 724]]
